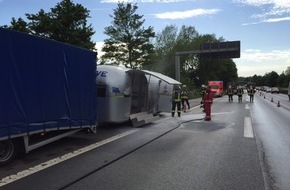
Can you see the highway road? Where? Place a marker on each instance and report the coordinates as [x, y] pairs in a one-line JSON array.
[[245, 146], [271, 121]]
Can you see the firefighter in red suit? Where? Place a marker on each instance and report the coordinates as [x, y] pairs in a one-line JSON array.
[[208, 100]]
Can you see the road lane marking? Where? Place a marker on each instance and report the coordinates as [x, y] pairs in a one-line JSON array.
[[247, 107], [222, 113], [248, 129], [42, 166]]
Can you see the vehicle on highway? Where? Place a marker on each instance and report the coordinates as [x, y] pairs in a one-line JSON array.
[[268, 89], [47, 91], [128, 94], [217, 87], [275, 90]]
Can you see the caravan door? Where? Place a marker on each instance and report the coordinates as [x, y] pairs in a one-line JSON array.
[[139, 91], [165, 97], [165, 90]]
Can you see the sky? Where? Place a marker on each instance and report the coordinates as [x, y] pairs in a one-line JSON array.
[[262, 26]]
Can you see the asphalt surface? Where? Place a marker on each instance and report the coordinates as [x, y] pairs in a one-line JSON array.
[[171, 153]]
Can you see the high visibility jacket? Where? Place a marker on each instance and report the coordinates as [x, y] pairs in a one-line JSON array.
[[230, 91], [240, 91], [176, 96], [251, 91], [202, 92], [184, 94]]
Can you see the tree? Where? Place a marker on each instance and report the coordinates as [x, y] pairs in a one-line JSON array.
[[164, 44], [271, 79], [287, 72], [186, 40], [283, 80], [67, 22], [19, 25], [220, 69], [193, 70], [129, 42], [166, 40], [169, 41]]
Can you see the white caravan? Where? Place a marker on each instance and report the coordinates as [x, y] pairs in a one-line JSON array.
[[126, 92]]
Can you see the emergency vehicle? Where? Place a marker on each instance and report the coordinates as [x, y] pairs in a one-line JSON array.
[[217, 87]]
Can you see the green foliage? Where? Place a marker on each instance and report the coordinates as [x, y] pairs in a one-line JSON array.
[[19, 25], [283, 80], [270, 79], [129, 42], [67, 22], [163, 59], [287, 72], [194, 72]]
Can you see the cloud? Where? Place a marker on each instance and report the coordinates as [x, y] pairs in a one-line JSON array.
[[275, 3], [270, 20], [255, 61], [277, 19], [186, 14], [143, 1], [257, 55], [269, 7], [99, 46]]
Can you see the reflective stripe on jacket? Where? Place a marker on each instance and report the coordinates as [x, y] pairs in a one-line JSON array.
[[176, 96], [208, 97], [184, 95], [251, 91]]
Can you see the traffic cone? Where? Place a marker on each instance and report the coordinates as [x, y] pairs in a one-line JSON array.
[[272, 100], [278, 105]]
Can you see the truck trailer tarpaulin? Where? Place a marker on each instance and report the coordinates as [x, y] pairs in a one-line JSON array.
[[45, 85]]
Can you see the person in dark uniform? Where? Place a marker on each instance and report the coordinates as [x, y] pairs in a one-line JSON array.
[[176, 100], [184, 98], [240, 93], [230, 93], [251, 93]]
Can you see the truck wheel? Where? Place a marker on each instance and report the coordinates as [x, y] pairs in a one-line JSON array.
[[7, 151]]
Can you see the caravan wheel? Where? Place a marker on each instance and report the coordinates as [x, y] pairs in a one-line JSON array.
[[7, 152]]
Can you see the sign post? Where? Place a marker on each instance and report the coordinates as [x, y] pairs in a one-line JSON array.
[[209, 51]]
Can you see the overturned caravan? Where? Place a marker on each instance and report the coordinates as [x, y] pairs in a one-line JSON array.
[[124, 93]]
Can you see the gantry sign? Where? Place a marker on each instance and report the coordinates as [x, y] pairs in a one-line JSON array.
[[210, 51]]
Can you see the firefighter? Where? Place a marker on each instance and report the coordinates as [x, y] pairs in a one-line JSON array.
[[251, 93], [208, 100], [176, 100], [203, 90], [184, 98], [240, 93], [230, 93]]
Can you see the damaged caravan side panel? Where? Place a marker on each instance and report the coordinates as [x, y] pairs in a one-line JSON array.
[[114, 94], [148, 92]]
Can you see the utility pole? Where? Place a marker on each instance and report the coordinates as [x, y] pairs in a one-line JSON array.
[[177, 62]]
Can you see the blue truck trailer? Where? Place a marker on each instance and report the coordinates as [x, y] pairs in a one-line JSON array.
[[47, 88]]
